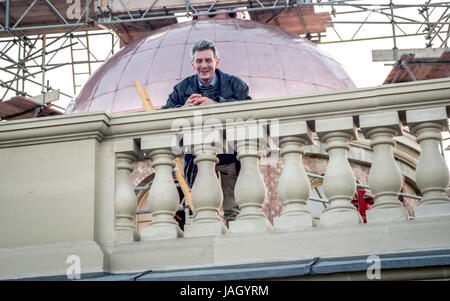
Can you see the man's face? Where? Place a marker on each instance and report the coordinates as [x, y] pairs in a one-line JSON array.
[[205, 65]]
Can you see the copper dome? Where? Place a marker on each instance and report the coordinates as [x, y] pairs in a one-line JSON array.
[[272, 61]]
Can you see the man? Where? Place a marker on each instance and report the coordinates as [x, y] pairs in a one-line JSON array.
[[210, 86]]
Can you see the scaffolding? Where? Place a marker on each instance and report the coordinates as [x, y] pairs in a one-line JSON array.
[[39, 36]]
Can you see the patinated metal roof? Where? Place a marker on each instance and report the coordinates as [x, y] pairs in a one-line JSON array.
[[272, 61]]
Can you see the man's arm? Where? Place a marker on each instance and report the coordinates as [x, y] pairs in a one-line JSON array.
[[240, 91], [173, 101]]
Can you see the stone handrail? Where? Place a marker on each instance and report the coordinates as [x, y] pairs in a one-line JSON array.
[[399, 97], [86, 160]]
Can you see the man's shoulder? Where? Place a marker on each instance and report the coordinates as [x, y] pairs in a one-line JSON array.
[[186, 82], [231, 77], [226, 75]]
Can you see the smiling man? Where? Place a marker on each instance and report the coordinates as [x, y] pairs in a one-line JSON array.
[[209, 85]]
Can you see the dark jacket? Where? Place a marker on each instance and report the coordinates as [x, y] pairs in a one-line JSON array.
[[232, 88]]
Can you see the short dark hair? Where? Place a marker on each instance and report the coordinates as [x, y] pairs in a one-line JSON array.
[[204, 45]]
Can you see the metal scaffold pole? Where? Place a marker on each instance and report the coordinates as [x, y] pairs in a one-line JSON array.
[[44, 43], [117, 18], [394, 39]]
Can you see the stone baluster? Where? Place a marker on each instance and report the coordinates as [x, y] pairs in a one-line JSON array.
[[206, 194], [125, 201], [250, 189], [294, 187], [339, 181], [432, 175], [163, 198], [385, 180]]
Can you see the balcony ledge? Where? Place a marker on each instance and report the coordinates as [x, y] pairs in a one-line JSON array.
[[416, 249], [339, 242], [419, 265]]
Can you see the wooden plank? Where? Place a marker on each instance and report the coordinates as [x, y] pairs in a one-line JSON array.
[[290, 20], [50, 96], [40, 15], [23, 116], [179, 175], [41, 11], [145, 99], [382, 55], [135, 5], [7, 109], [147, 103]]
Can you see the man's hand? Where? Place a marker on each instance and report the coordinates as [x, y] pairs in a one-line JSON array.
[[190, 100], [198, 100]]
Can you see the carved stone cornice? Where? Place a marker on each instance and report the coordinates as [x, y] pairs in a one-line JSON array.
[[54, 129]]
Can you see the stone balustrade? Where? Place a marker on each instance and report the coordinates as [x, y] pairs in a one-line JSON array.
[[65, 180]]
